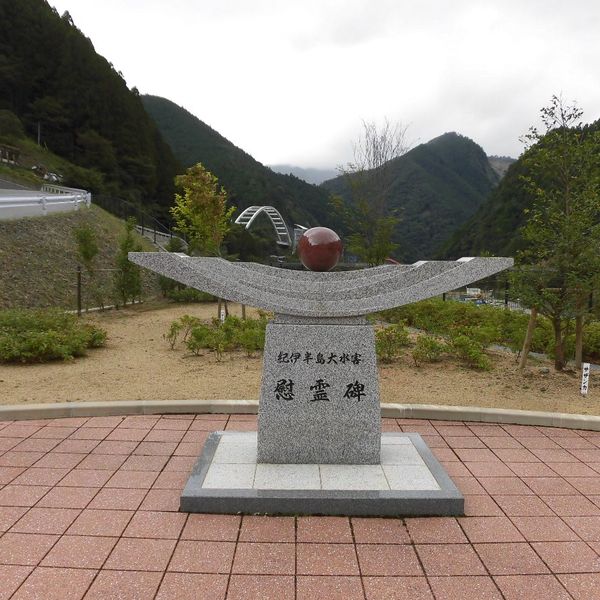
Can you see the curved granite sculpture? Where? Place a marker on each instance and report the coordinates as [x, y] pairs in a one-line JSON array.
[[312, 294], [319, 398]]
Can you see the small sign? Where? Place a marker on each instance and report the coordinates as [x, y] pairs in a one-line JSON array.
[[585, 378], [222, 315]]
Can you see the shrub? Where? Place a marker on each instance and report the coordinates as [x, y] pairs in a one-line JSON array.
[[42, 335], [428, 349], [188, 295], [199, 338], [390, 341], [471, 351]]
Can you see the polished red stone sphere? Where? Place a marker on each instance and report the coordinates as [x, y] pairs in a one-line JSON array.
[[320, 249]]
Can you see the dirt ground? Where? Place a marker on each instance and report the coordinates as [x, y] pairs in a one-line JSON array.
[[138, 364]]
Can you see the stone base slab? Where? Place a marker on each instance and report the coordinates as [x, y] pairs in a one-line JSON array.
[[409, 481]]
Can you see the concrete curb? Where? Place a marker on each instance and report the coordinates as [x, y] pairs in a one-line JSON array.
[[390, 411]]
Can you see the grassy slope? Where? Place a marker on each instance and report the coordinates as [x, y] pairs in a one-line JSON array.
[[38, 258]]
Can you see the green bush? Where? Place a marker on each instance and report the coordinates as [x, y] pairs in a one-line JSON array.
[[471, 351], [42, 335], [389, 342], [428, 349], [220, 337]]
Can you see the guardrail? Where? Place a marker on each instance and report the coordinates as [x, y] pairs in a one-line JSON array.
[[15, 204]]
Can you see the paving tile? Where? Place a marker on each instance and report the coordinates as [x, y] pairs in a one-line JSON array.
[[445, 454], [140, 555], [24, 548], [324, 529], [379, 531], [400, 454], [468, 485], [510, 559], [210, 425], [77, 551], [435, 441], [121, 434], [115, 447], [487, 430], [461, 587], [550, 486], [132, 479], [544, 529], [523, 506], [175, 423], [19, 430], [19, 459], [100, 522], [46, 520], [587, 528], [76, 446], [11, 577], [326, 559], [490, 529], [21, 495], [202, 557], [572, 469], [68, 422], [498, 442], [435, 530], [60, 460], [464, 442], [35, 476], [481, 506], [587, 456], [164, 435], [189, 449], [332, 588], [572, 506], [586, 485], [549, 455], [148, 524], [456, 469], [55, 433], [8, 474], [517, 455], [453, 429], [29, 445], [531, 469], [476, 455], [169, 480], [397, 588], [191, 586], [268, 529], [449, 559], [254, 558], [582, 586], [110, 462], [9, 515], [489, 469], [229, 476], [568, 557], [410, 477], [118, 499], [517, 587], [389, 560], [218, 528], [144, 463], [155, 448], [504, 485], [167, 500], [90, 433], [51, 583], [68, 497]]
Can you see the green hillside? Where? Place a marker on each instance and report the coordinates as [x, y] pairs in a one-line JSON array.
[[38, 259], [435, 188], [53, 81], [494, 228], [247, 181]]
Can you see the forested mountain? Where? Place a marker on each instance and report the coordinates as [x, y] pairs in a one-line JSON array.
[[308, 174], [51, 78], [434, 189], [247, 181], [494, 228]]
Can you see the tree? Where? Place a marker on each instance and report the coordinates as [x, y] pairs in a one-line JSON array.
[[201, 213], [128, 278], [560, 265], [368, 178]]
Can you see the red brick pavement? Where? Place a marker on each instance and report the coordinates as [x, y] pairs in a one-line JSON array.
[[88, 509]]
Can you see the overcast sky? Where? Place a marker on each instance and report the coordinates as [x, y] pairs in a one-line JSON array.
[[289, 81]]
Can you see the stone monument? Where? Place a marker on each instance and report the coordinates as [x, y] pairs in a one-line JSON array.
[[319, 447]]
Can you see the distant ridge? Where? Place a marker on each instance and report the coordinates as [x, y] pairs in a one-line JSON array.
[[247, 181], [308, 174], [436, 187]]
